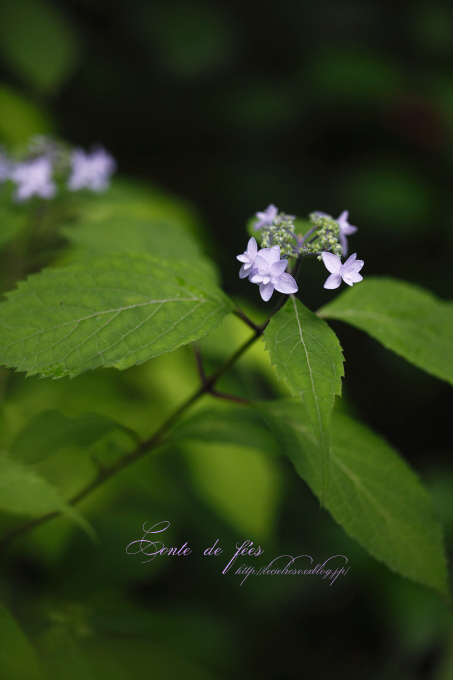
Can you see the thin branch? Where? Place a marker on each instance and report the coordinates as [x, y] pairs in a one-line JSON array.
[[245, 318], [199, 362], [230, 397], [142, 449], [301, 241], [158, 437]]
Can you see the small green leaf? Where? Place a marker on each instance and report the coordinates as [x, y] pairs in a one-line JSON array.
[[50, 431], [18, 658], [117, 311], [307, 354], [404, 318], [373, 494], [37, 42], [24, 492]]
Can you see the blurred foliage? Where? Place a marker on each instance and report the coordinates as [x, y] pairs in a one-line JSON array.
[[314, 105], [37, 43]]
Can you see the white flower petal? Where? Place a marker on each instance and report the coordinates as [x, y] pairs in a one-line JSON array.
[[243, 272], [271, 255], [261, 263], [332, 262], [257, 278], [343, 243], [333, 281], [252, 247], [279, 267], [357, 265], [348, 229], [266, 290], [286, 284], [349, 261], [352, 277], [242, 258]]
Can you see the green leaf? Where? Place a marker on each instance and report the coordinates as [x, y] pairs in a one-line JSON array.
[[160, 238], [307, 354], [18, 659], [19, 118], [404, 318], [50, 431], [373, 494], [107, 311], [233, 425], [24, 492], [37, 42]]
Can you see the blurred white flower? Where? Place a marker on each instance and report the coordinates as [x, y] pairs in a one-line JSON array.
[[91, 170]]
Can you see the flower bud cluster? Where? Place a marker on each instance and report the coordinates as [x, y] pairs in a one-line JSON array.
[[327, 236], [280, 233]]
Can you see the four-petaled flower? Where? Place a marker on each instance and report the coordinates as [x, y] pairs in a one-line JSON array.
[[268, 271], [346, 229], [349, 271], [33, 178], [266, 218], [248, 258], [91, 171]]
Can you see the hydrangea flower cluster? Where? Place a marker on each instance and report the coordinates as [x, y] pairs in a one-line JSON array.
[[47, 161], [33, 178], [91, 171], [265, 268], [279, 243]]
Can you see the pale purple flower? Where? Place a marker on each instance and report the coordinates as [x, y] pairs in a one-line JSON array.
[[346, 229], [248, 258], [349, 271], [91, 170], [33, 178], [269, 273], [266, 218]]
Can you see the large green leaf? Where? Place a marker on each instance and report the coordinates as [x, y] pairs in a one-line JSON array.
[[140, 219], [404, 318], [373, 493], [24, 492], [49, 431], [119, 233], [307, 354], [18, 658], [117, 311]]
